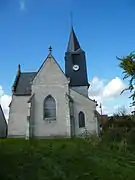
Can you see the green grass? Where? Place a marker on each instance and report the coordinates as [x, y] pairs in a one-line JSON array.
[[65, 159]]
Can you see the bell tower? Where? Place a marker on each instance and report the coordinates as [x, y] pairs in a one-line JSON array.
[[75, 65]]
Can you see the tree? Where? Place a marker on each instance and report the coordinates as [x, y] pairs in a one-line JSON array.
[[128, 65], [121, 112]]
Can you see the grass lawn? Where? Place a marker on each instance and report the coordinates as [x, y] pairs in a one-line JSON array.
[[63, 160]]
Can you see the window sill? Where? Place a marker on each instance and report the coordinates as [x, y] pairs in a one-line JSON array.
[[82, 127], [50, 119]]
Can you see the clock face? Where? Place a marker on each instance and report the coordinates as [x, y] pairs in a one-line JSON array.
[[76, 67]]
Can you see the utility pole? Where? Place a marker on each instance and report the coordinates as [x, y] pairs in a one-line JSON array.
[[100, 118], [101, 108]]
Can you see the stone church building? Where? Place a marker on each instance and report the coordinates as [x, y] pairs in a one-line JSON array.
[[51, 103]]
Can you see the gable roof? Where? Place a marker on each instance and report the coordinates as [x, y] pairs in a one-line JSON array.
[[23, 84], [23, 80], [50, 56]]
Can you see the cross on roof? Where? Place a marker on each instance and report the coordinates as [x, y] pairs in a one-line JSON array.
[[50, 49]]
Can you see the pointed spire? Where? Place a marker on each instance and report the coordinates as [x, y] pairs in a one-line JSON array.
[[73, 44]]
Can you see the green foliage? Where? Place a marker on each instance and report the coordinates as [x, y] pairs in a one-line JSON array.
[[128, 65], [64, 159], [131, 136], [114, 134], [120, 130]]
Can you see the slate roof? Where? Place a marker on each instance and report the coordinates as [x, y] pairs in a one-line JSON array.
[[3, 124], [2, 117], [22, 86], [73, 44], [75, 55]]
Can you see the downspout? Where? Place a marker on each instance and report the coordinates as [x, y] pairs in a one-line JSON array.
[[28, 122]]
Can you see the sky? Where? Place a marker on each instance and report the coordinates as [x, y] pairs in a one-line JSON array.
[[105, 29]]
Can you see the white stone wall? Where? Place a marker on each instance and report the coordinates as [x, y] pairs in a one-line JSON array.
[[18, 116], [82, 103], [50, 80]]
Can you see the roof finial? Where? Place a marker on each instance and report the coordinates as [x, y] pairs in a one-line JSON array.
[[19, 68], [50, 49], [71, 18]]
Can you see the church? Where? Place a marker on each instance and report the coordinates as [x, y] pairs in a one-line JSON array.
[[53, 103]]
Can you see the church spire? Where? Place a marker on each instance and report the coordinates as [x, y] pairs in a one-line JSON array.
[[73, 44], [75, 63]]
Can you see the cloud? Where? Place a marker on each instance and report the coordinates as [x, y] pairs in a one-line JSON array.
[[107, 93], [102, 90], [22, 5], [5, 100], [113, 88], [1, 91], [96, 86]]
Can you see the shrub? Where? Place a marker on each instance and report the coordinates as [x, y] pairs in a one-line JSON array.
[[131, 136], [114, 134]]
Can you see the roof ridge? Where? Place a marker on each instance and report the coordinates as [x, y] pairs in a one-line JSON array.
[[45, 60]]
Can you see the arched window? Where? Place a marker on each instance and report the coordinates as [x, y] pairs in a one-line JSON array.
[[49, 108], [81, 119]]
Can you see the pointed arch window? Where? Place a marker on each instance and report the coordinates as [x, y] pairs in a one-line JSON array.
[[49, 108], [81, 119]]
